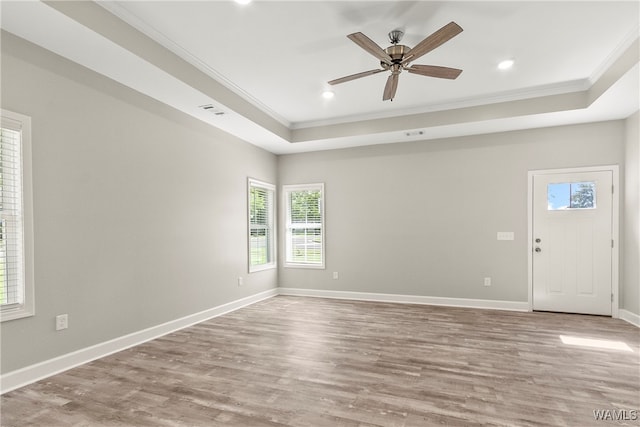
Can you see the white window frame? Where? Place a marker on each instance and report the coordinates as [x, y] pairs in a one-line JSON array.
[[271, 225], [25, 281], [286, 191]]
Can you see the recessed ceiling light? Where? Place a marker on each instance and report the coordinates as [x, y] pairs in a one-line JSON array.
[[243, 1], [506, 64], [328, 94]]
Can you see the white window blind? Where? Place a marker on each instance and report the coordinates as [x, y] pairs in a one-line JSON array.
[[16, 292], [305, 225], [261, 225]]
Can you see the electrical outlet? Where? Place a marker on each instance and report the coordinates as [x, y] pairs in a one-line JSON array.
[[335, 275], [240, 281], [487, 281], [62, 322]]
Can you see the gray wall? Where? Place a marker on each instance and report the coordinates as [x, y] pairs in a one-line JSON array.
[[421, 218], [140, 211], [631, 256]]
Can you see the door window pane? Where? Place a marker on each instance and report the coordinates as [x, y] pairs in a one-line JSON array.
[[571, 195]]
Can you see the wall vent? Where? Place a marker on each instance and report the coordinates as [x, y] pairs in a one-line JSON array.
[[414, 133], [210, 108]]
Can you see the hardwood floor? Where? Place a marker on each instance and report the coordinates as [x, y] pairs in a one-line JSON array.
[[297, 361]]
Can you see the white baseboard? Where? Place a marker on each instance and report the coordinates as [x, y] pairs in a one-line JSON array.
[[30, 374], [629, 316], [408, 299]]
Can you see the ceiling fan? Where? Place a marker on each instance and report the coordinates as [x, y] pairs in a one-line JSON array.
[[397, 57]]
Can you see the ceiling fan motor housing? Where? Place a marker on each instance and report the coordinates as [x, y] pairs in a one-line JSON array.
[[396, 52]]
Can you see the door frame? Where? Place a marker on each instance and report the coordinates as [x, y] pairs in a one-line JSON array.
[[615, 227]]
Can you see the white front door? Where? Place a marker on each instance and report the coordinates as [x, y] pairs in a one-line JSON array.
[[572, 242]]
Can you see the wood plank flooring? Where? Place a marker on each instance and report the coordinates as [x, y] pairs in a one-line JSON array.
[[294, 361]]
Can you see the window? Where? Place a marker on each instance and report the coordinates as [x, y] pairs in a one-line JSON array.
[[305, 225], [571, 195], [16, 262], [262, 254]]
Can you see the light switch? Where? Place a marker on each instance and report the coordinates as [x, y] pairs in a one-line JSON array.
[[505, 235]]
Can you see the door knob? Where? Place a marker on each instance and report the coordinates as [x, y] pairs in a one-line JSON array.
[[538, 250]]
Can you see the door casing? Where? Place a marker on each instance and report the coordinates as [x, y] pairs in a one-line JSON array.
[[615, 225]]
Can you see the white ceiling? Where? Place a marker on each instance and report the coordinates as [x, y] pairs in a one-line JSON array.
[[266, 64]]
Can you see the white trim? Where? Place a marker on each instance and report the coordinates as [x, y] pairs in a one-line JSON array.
[[30, 374], [289, 188], [630, 317], [615, 228], [615, 235], [563, 88], [189, 57], [251, 182], [530, 240], [407, 299], [28, 307]]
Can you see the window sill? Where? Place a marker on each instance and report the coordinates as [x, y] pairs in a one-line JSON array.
[[15, 313], [257, 268], [310, 266]]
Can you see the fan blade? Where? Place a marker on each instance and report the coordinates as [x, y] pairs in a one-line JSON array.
[[355, 76], [435, 71], [391, 87], [370, 46], [436, 39]]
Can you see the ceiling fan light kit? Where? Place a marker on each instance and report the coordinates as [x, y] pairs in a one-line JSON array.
[[398, 57]]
